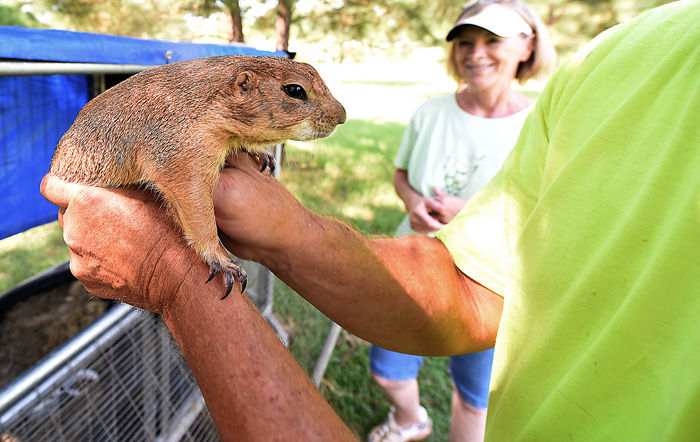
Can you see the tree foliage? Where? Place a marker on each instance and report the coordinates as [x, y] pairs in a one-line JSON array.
[[142, 18], [375, 22], [344, 26], [12, 15], [231, 7]]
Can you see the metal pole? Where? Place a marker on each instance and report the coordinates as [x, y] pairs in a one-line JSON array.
[[19, 68], [325, 355]]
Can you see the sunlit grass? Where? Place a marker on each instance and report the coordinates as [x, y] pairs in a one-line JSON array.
[[25, 254], [349, 175]]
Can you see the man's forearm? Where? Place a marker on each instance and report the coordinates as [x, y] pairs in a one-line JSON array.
[[249, 380], [404, 294]]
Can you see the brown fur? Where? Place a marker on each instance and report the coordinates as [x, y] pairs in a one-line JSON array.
[[171, 128]]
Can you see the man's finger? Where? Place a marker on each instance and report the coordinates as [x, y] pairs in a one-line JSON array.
[[57, 191], [242, 160], [61, 212]]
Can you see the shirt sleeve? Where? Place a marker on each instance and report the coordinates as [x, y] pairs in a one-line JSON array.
[[408, 142], [482, 237]]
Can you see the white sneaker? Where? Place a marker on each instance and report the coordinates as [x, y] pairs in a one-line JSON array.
[[390, 431]]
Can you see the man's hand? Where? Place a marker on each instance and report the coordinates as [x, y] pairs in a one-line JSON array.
[[123, 244], [256, 215]]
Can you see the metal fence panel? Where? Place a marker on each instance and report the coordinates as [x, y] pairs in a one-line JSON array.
[[129, 383], [124, 379]]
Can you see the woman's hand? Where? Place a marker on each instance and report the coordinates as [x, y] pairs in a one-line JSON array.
[[423, 214], [447, 206]]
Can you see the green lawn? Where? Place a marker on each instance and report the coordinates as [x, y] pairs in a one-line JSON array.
[[27, 253]]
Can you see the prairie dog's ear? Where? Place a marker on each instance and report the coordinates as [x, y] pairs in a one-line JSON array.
[[246, 80]]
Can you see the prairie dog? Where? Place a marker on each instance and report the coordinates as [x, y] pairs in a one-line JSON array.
[[171, 127]]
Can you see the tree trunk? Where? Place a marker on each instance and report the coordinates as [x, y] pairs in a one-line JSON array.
[[284, 18], [236, 21]]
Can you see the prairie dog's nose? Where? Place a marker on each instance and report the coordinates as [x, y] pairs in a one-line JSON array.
[[341, 114]]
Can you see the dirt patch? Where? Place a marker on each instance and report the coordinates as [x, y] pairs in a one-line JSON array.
[[32, 328]]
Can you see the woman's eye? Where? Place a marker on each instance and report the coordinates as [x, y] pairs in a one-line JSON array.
[[294, 91]]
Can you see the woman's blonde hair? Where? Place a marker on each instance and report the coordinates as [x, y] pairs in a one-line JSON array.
[[543, 58]]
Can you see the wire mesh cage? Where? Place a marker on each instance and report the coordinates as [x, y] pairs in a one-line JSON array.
[[120, 379], [123, 377]]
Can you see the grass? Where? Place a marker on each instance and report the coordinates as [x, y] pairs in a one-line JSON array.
[[28, 253], [347, 176]]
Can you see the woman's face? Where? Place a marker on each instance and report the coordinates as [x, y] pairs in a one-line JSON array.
[[486, 60]]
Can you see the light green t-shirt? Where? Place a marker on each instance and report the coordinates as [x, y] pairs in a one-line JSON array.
[[591, 232], [448, 148]]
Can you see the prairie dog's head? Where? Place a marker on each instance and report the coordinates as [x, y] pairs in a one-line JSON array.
[[272, 99]]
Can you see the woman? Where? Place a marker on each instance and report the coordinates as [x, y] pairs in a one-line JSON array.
[[454, 145]]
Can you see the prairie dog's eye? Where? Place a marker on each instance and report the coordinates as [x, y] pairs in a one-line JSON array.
[[294, 91]]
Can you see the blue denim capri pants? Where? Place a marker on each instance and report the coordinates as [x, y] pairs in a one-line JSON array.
[[471, 372]]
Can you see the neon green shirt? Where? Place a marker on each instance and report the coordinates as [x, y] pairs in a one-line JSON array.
[[591, 232]]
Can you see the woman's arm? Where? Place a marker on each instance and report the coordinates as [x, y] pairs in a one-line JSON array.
[[418, 207]]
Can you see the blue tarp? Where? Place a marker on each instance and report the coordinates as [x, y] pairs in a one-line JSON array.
[[35, 111]]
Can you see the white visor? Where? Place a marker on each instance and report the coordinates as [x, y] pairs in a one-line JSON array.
[[497, 19]]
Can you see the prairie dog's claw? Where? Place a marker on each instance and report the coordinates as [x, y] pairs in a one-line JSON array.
[[231, 273], [266, 160], [271, 163], [214, 268]]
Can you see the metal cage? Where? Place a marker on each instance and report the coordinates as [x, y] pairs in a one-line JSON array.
[[121, 378]]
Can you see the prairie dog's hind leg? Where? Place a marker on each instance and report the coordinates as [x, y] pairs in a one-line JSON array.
[[191, 200]]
